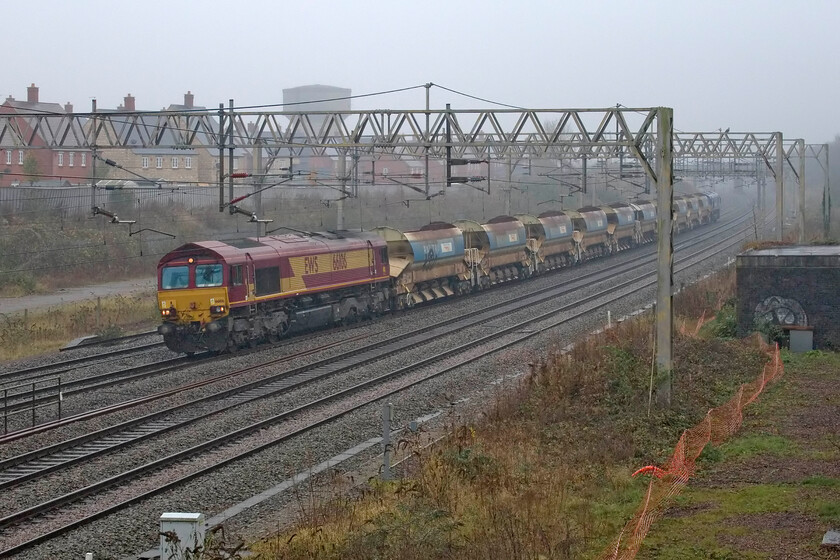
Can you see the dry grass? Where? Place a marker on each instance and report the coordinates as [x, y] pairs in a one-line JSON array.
[[37, 332], [546, 474]]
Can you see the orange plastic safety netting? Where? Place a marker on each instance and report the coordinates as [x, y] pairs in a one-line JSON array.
[[668, 480], [684, 330]]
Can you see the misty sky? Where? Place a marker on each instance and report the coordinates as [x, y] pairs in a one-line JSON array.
[[746, 65]]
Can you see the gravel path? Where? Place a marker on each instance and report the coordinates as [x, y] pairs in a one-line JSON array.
[[72, 295]]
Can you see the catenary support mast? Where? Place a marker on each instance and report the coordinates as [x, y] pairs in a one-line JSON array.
[[664, 311]]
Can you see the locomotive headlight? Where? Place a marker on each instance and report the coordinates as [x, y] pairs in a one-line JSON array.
[[217, 309]]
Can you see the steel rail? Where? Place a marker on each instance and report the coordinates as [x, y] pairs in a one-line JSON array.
[[69, 362], [27, 466]]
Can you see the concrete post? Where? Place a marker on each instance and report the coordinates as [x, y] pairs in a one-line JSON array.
[[230, 154], [800, 144], [428, 86], [780, 187], [339, 205], [665, 199], [387, 417], [826, 198], [509, 185], [221, 157], [258, 179], [93, 156], [583, 185]]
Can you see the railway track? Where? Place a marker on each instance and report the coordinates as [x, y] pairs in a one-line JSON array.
[[533, 324], [22, 399], [34, 373], [141, 372]]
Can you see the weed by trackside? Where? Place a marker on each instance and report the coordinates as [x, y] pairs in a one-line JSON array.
[[547, 472], [47, 330]]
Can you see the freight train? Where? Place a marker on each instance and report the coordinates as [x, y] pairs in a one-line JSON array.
[[224, 295]]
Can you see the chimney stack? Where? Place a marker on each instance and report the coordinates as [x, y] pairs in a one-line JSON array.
[[188, 100], [32, 94], [68, 107], [128, 103]]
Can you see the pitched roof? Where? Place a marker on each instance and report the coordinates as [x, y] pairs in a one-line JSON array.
[[70, 131]]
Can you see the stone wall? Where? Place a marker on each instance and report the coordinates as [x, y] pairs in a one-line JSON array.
[[791, 290]]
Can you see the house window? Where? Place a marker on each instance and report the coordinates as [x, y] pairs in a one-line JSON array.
[[61, 159], [20, 157], [72, 157], [84, 160], [188, 162], [175, 163], [145, 162], [8, 157], [159, 162]]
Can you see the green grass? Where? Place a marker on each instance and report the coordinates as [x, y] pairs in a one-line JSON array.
[[705, 518], [822, 481], [748, 446], [757, 496], [547, 472], [47, 330]]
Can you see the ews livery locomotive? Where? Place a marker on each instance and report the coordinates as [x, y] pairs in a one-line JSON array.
[[217, 295]]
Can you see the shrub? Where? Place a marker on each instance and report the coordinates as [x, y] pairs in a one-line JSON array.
[[771, 331], [726, 323]]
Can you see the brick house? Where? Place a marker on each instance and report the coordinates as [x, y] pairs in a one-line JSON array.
[[42, 163], [195, 166]]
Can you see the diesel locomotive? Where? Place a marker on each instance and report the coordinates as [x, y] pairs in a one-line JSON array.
[[225, 295]]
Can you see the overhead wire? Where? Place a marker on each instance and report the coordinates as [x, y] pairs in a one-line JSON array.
[[478, 98]]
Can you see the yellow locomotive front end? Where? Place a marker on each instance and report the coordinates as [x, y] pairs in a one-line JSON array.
[[193, 302]]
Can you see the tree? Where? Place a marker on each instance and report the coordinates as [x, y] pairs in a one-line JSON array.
[[31, 169]]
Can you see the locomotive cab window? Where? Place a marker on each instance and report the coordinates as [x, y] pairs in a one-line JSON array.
[[236, 275], [175, 277], [208, 275]]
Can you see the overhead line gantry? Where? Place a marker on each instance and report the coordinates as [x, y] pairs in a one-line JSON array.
[[646, 134], [494, 134]]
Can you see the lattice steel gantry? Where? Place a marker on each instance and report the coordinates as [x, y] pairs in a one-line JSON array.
[[646, 134]]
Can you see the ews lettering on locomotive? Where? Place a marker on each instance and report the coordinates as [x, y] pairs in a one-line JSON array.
[[310, 265], [339, 261]]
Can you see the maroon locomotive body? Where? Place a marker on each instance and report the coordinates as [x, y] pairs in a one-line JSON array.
[[222, 295]]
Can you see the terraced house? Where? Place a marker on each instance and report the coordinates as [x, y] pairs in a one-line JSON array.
[[187, 166], [40, 164]]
